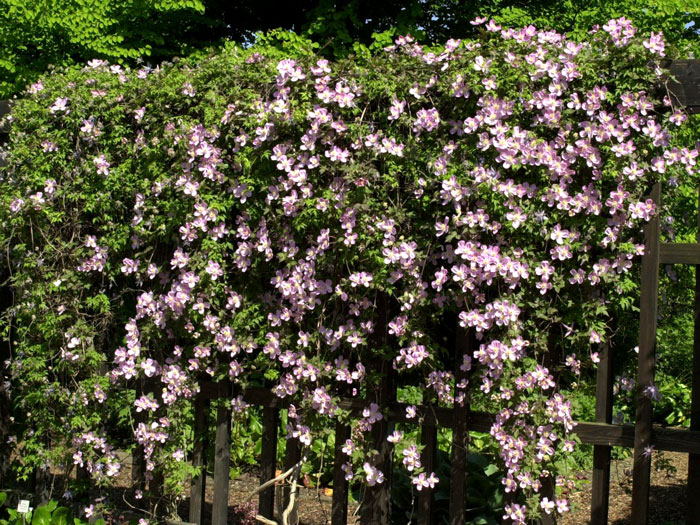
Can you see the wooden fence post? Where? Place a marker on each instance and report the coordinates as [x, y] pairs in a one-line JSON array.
[[339, 509], [464, 345], [600, 490], [428, 438], [641, 476], [376, 503], [199, 460], [693, 510], [268, 461], [291, 458], [222, 457]]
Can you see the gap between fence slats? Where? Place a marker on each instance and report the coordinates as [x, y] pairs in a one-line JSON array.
[[138, 463]]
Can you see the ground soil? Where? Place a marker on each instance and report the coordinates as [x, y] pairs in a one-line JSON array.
[[667, 504]]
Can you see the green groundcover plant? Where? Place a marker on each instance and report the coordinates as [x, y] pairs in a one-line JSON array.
[[272, 218]]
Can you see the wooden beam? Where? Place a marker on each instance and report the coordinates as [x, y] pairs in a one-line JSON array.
[[199, 461], [464, 345], [679, 253], [268, 460], [600, 487], [339, 508], [222, 464], [428, 440], [684, 84], [376, 503], [693, 489], [292, 456], [649, 295]]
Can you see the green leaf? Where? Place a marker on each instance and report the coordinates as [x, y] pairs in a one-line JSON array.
[[491, 469], [42, 516], [61, 516], [3, 498]]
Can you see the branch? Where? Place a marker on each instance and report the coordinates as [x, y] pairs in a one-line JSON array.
[[281, 477], [293, 492]]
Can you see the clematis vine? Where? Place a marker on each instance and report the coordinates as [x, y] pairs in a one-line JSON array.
[[322, 219]]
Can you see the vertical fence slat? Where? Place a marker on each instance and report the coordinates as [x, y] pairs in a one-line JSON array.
[[291, 458], [376, 503], [693, 510], [268, 460], [428, 438], [199, 461], [600, 490], [339, 510], [155, 491], [42, 485], [641, 475], [464, 345], [222, 456], [548, 491]]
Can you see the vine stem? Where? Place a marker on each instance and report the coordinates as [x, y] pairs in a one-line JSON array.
[[284, 475], [293, 492]]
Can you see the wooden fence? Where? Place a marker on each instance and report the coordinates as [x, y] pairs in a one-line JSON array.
[[602, 434]]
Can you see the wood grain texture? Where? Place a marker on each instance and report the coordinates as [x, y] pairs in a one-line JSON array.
[[463, 345], [376, 502], [222, 464], [268, 460], [339, 509], [679, 253], [641, 474], [600, 488], [693, 511], [684, 84], [428, 439], [199, 460]]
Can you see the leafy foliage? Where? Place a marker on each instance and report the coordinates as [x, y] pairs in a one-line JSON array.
[[38, 34]]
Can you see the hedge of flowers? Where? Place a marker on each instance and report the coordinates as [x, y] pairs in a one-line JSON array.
[[240, 218]]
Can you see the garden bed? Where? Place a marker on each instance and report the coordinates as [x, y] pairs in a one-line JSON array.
[[667, 503]]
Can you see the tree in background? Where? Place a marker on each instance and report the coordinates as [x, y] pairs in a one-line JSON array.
[[35, 34], [38, 34]]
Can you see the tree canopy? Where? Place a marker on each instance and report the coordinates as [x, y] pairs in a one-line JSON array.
[[35, 34]]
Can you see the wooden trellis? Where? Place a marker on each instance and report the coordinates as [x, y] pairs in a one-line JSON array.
[[602, 434]]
